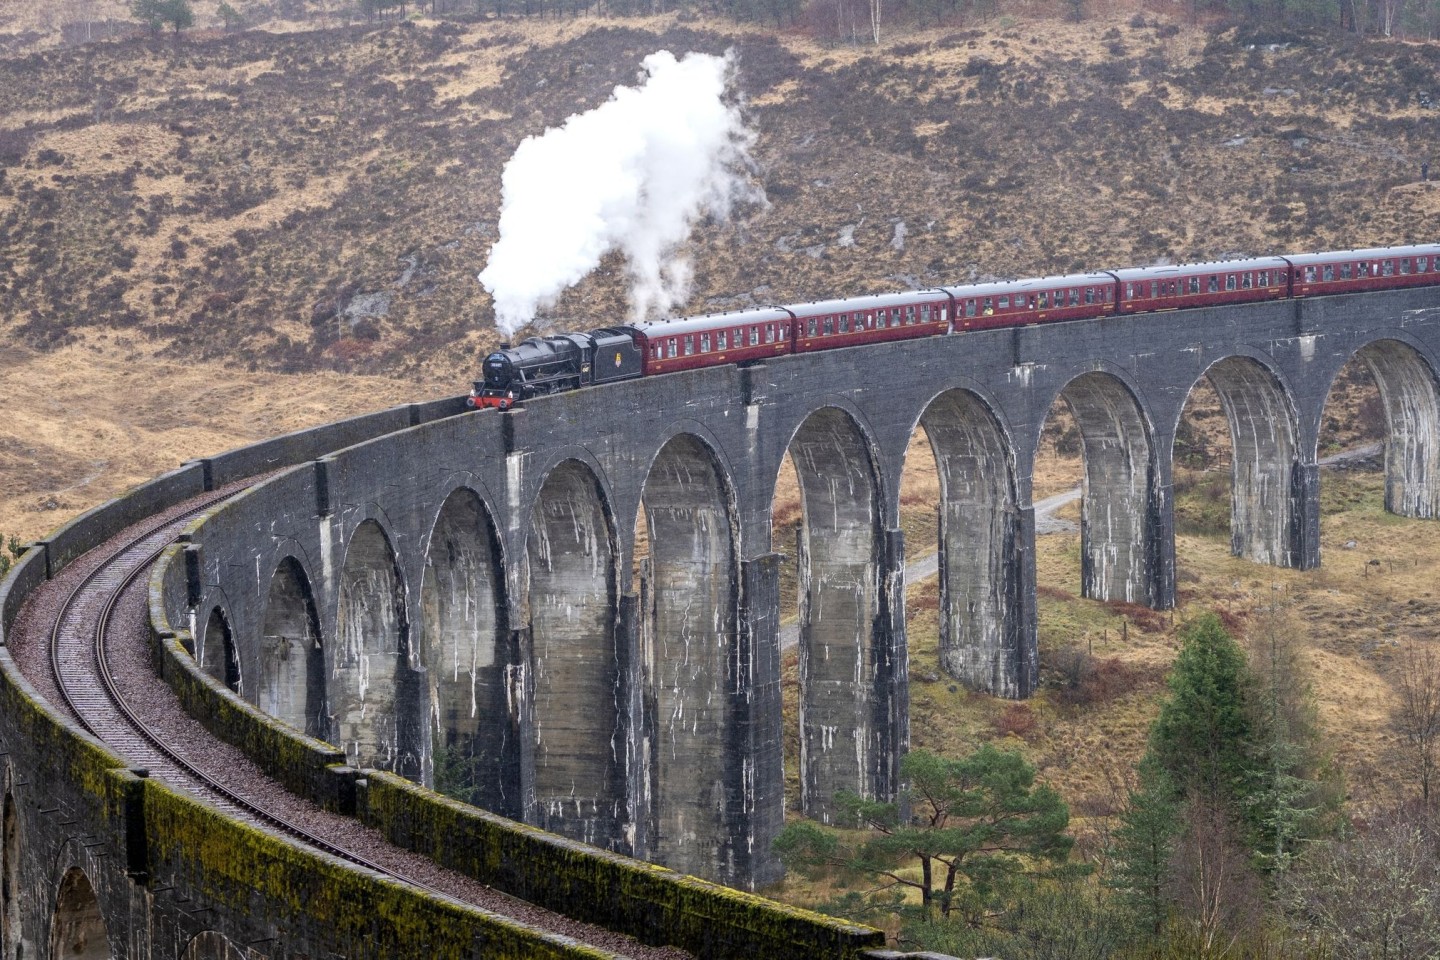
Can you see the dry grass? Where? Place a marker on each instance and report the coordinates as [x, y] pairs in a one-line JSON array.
[[87, 422]]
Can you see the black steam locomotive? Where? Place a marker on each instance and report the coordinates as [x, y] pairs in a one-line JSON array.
[[539, 366]]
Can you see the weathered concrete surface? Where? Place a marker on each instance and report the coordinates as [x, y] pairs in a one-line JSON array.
[[564, 479], [839, 601], [464, 651], [689, 645], [575, 668], [1117, 493], [291, 660], [1412, 418]]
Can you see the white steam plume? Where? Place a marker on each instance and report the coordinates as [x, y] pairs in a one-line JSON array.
[[631, 175]]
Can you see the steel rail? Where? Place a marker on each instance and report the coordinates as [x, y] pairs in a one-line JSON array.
[[106, 584]]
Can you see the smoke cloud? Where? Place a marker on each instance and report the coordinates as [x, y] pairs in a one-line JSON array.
[[633, 175]]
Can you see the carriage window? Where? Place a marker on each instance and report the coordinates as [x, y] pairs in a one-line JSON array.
[[1074, 297], [969, 308], [1194, 284], [1404, 266], [704, 343], [1044, 300], [1387, 268], [1089, 294], [1129, 291], [1422, 264], [689, 345], [1344, 271], [1229, 281], [720, 340], [1154, 288], [829, 325], [844, 323], [1262, 279], [987, 306], [909, 314], [1002, 304], [1327, 272], [925, 313], [1213, 284], [811, 326], [1244, 281]]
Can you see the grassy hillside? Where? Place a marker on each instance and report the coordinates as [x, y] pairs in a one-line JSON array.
[[324, 200]]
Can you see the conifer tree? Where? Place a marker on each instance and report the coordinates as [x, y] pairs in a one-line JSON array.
[[1204, 734], [1144, 845]]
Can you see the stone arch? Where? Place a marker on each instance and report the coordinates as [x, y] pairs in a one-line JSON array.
[[216, 651], [371, 640], [77, 930], [578, 702], [1118, 536], [1265, 513], [689, 622], [211, 945], [839, 599], [1408, 392], [292, 657], [463, 646], [983, 641], [10, 930]]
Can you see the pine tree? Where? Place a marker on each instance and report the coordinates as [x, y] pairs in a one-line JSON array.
[[979, 826], [1144, 845]]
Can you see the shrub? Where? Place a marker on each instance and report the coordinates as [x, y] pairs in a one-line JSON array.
[[1016, 720]]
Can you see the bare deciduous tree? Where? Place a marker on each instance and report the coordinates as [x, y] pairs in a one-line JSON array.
[[1417, 716], [1371, 895], [1217, 893]]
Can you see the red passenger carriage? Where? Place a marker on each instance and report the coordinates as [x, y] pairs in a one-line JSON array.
[[827, 324], [1355, 271], [687, 343], [1188, 285], [1013, 303]]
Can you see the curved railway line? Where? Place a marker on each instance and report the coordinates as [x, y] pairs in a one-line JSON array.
[[79, 655]]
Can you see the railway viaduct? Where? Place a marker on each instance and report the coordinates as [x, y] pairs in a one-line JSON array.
[[456, 599]]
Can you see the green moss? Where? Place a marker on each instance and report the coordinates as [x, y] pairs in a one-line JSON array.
[[250, 870], [619, 893]]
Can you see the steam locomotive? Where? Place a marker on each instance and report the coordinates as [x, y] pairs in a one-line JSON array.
[[542, 365]]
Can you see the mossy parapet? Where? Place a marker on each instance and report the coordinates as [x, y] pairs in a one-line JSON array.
[[78, 762], [307, 767], [321, 904], [646, 901], [27, 573]]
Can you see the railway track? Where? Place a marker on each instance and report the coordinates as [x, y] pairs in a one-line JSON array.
[[92, 654], [78, 657]]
